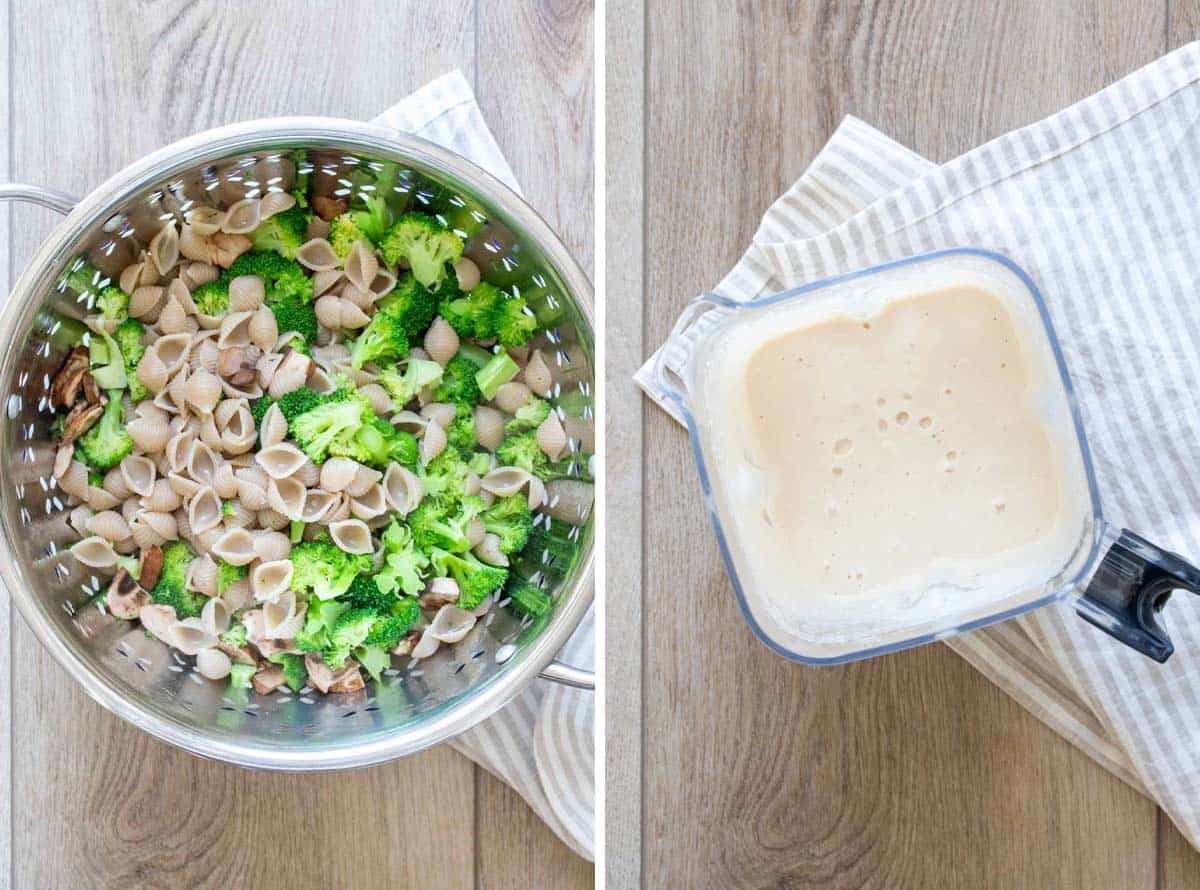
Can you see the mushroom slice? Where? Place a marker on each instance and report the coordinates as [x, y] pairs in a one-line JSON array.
[[319, 673], [348, 679], [268, 679], [269, 580], [65, 387], [402, 489], [79, 420], [287, 496], [139, 474], [352, 536], [150, 566], [439, 592], [281, 461], [451, 624], [204, 510], [95, 553], [236, 547], [126, 597]]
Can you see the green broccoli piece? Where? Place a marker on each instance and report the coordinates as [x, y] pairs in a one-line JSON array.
[[383, 340], [425, 243], [445, 477], [303, 173], [461, 433], [364, 593], [434, 527], [282, 232], [106, 444], [551, 550], [241, 676], [113, 303], [404, 449], [374, 659], [128, 337], [296, 531], [410, 303], [318, 621], [331, 422], [343, 232], [324, 571], [389, 628], [284, 279], [293, 314], [296, 402], [236, 636], [295, 674], [373, 219], [348, 632], [229, 574], [510, 520], [171, 588], [258, 409], [212, 297], [473, 315], [84, 280], [404, 386], [499, 370], [458, 383], [513, 320], [403, 563], [107, 362], [480, 463], [476, 579], [522, 451], [529, 416], [57, 426], [526, 598]]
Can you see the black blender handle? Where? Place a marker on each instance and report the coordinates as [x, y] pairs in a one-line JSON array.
[[1133, 583]]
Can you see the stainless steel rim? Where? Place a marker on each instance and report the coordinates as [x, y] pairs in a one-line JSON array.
[[291, 132]]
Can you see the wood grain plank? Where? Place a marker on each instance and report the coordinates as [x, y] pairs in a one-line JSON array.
[[541, 112], [911, 770], [97, 803], [625, 347]]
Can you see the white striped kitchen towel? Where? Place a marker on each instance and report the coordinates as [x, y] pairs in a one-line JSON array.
[[1100, 203], [541, 744]]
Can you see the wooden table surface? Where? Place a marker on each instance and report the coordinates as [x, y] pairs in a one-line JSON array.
[[89, 87], [909, 771]]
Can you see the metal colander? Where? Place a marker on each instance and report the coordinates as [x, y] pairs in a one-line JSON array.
[[139, 678]]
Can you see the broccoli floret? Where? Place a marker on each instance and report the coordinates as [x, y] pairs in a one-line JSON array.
[[445, 477], [404, 449], [529, 416], [480, 463], [236, 636], [389, 628], [293, 314], [258, 409], [374, 659], [404, 386], [128, 337], [106, 444], [476, 579], [113, 303], [461, 433], [473, 315], [550, 551], [499, 370], [403, 563], [324, 571], [434, 527], [510, 520], [282, 232], [172, 579], [348, 632], [364, 593], [522, 451], [343, 232], [241, 676], [425, 243], [212, 297], [526, 598], [318, 621], [107, 362], [410, 303], [229, 574], [303, 172], [373, 219], [331, 422], [458, 382], [284, 279], [296, 402], [377, 443], [295, 674], [83, 279], [383, 340], [296, 531], [514, 322]]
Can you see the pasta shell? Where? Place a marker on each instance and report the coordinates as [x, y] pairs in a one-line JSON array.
[[177, 390], [144, 534], [99, 499], [213, 664], [202, 464], [172, 319], [144, 302], [270, 579], [179, 451], [402, 489], [205, 356], [182, 485], [157, 619], [352, 317], [359, 297], [164, 248], [512, 397], [62, 459], [370, 504], [203, 511], [475, 531], [309, 473], [114, 483], [172, 350], [274, 427], [227, 247], [507, 481], [109, 525], [488, 550], [130, 275], [266, 366], [317, 255], [287, 496], [361, 265], [204, 541], [381, 402], [337, 473], [252, 495], [450, 624], [78, 518], [95, 553], [467, 273], [291, 375], [151, 372], [364, 478], [242, 217], [282, 619], [489, 427], [383, 283], [235, 546], [163, 498], [425, 647], [75, 480], [235, 330], [198, 273], [351, 536], [215, 616], [324, 282], [440, 413], [263, 329], [129, 509], [319, 381], [441, 341], [150, 432], [246, 294], [272, 519], [537, 374], [224, 482], [194, 245], [569, 500], [329, 311], [138, 474], [433, 442], [340, 510], [189, 636], [206, 220], [203, 391], [276, 202], [409, 422], [551, 437], [250, 391], [317, 505], [272, 546], [239, 434], [281, 461]]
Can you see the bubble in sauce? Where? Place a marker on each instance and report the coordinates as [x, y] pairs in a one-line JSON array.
[[842, 447], [902, 418], [925, 423]]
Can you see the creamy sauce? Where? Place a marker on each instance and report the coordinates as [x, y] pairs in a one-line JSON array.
[[921, 443]]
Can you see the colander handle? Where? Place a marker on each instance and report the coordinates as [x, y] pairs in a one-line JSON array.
[[569, 676], [35, 194]]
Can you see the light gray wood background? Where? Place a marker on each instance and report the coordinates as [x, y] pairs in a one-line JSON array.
[[727, 766], [87, 87]]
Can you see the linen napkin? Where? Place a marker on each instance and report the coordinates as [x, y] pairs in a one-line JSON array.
[[1099, 204], [540, 743]]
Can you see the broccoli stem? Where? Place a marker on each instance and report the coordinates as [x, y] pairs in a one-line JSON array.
[[499, 370]]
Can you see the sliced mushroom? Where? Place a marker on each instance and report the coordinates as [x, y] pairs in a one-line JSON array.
[[328, 208], [320, 675], [348, 679], [439, 592], [151, 566], [268, 679], [126, 596], [80, 419], [65, 386]]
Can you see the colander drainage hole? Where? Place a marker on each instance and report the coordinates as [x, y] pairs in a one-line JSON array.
[[458, 670], [349, 714], [371, 709]]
